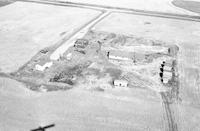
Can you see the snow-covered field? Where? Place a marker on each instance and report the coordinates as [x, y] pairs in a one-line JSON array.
[[83, 110], [168, 30], [78, 110], [149, 5], [26, 28]]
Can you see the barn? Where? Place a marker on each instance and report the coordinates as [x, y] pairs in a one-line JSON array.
[[119, 55]]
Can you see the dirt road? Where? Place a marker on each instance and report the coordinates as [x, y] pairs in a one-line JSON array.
[[79, 34]]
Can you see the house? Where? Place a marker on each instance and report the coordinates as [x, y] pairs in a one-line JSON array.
[[45, 66], [120, 83], [81, 43]]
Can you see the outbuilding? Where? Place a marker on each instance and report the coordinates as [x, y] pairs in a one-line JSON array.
[[45, 66], [120, 83], [69, 56]]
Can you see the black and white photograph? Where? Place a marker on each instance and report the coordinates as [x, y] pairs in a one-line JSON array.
[[99, 65]]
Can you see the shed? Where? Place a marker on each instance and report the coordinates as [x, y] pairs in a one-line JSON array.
[[69, 56], [45, 66], [120, 83], [165, 81]]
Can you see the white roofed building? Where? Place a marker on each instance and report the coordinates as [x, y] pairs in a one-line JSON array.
[[43, 67], [120, 83]]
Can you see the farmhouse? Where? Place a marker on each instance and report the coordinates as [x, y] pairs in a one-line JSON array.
[[120, 83]]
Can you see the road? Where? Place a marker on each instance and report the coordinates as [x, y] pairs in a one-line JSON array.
[[80, 34], [119, 9]]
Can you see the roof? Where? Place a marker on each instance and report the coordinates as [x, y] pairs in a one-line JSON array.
[[167, 74], [121, 81], [121, 54], [167, 68]]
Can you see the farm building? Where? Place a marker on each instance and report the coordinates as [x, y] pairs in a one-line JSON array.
[[45, 66], [167, 68], [125, 56], [120, 55], [69, 56], [120, 83], [167, 76], [81, 43]]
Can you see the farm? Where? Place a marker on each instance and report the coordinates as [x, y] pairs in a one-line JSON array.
[[93, 69]]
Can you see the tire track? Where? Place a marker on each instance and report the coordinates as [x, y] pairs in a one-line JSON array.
[[172, 125]]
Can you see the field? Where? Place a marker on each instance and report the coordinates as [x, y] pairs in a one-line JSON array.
[[193, 5], [168, 30], [151, 5], [186, 35], [76, 109], [26, 28]]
